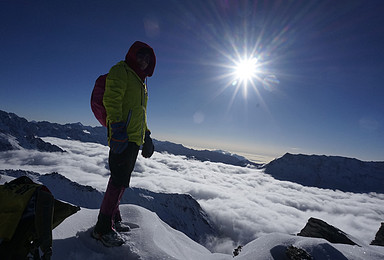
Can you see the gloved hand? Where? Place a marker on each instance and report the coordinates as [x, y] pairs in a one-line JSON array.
[[148, 147], [47, 254], [119, 137]]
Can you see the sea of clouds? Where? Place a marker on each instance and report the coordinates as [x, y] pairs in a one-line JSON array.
[[244, 203]]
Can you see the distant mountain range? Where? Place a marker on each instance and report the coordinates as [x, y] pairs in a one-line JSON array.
[[16, 132], [329, 172], [203, 155]]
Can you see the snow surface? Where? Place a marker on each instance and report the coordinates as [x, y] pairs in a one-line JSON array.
[[250, 207], [155, 240]]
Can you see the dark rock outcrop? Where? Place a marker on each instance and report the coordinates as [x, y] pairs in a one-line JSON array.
[[320, 229], [294, 253], [379, 238]]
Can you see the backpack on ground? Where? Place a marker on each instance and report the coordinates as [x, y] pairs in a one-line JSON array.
[[97, 106], [28, 213]]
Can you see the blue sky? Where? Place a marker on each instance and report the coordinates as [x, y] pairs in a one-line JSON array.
[[318, 88]]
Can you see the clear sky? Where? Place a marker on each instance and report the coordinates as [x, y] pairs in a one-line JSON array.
[[316, 88]]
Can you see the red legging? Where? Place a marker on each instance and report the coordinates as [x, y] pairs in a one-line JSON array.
[[111, 201], [121, 166]]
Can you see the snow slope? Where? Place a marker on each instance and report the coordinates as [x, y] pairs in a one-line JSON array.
[[154, 239]]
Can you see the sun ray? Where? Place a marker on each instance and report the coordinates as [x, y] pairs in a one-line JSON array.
[[241, 52]]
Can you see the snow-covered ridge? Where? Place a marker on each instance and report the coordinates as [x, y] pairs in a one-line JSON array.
[[203, 155], [329, 172], [17, 130], [180, 211], [28, 134]]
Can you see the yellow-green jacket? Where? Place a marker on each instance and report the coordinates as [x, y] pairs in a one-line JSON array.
[[125, 100], [125, 97]]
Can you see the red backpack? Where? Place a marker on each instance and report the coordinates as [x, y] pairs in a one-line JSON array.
[[97, 106]]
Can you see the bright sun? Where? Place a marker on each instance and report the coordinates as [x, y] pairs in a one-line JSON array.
[[245, 70]]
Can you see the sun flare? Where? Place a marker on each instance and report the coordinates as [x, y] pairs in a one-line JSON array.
[[246, 69]]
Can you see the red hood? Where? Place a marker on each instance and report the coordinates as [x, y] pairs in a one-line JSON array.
[[130, 59]]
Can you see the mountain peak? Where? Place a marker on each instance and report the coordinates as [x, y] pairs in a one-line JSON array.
[[329, 172]]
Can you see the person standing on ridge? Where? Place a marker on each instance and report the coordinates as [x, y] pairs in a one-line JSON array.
[[125, 101]]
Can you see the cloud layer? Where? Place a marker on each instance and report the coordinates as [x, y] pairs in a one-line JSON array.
[[245, 203]]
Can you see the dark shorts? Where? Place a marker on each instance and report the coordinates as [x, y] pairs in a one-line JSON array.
[[121, 165]]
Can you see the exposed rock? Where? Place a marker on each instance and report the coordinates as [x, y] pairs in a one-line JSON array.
[[320, 229], [379, 238], [40, 145], [237, 251], [17, 133], [294, 253]]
